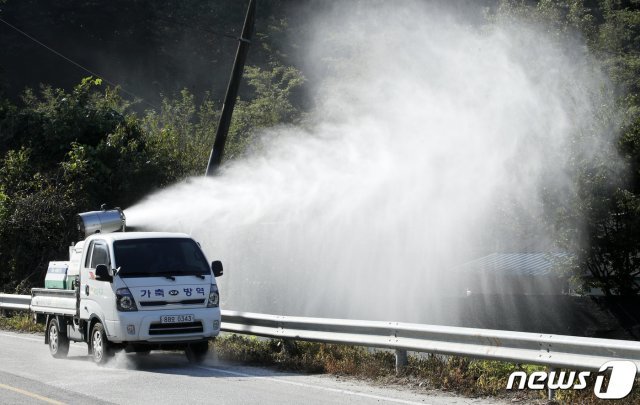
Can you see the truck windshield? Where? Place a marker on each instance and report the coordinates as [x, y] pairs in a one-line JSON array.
[[159, 257]]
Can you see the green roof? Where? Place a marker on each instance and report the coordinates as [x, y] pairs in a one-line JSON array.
[[517, 264]]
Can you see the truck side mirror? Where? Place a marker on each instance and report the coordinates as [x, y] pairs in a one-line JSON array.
[[102, 273], [217, 268]]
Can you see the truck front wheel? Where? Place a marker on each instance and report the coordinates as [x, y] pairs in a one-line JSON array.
[[99, 344], [197, 352], [58, 341]]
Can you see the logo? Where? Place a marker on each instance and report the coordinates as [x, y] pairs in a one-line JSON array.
[[174, 292], [623, 374]]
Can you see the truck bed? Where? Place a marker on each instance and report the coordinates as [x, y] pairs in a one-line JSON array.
[[53, 301]]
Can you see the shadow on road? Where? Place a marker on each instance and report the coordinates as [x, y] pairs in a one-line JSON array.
[[176, 363]]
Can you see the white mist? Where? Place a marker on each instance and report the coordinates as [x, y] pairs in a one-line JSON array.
[[430, 137]]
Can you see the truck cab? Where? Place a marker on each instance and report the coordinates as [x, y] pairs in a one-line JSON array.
[[148, 288]]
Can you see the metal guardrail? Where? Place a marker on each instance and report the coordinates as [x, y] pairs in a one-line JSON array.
[[14, 301], [556, 351]]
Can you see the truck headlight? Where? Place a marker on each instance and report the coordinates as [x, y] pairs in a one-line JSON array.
[[125, 301], [214, 297]]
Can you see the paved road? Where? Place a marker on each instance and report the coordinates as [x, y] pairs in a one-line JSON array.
[[29, 375]]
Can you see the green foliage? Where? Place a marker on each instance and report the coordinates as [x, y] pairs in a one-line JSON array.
[[23, 193], [600, 223], [180, 136], [306, 356], [610, 205], [271, 106], [560, 18], [15, 172], [64, 153], [68, 152], [20, 322]]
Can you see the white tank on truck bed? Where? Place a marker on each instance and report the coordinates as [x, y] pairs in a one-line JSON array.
[[75, 255], [63, 274]]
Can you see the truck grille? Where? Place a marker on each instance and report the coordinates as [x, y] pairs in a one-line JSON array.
[[174, 328], [160, 303]]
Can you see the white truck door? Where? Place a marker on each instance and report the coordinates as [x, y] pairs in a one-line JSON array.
[[97, 296]]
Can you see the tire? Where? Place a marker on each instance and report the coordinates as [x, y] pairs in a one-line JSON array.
[[58, 341], [100, 347], [197, 352]]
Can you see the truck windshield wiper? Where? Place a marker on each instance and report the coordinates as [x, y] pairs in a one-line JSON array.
[[172, 274], [167, 274], [194, 273], [134, 274]]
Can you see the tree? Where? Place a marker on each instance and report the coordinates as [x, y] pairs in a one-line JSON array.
[[600, 223], [612, 230], [64, 153], [270, 106], [68, 152]]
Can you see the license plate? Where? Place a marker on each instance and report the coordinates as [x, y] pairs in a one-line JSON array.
[[176, 318]]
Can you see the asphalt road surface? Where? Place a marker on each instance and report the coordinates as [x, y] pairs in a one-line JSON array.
[[30, 375]]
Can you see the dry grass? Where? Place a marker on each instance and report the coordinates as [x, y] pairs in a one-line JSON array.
[[20, 322], [474, 378], [587, 397]]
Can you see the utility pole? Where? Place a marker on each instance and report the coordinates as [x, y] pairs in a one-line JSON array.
[[232, 91]]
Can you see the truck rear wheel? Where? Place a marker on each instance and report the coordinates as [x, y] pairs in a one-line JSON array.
[[197, 352], [101, 350], [58, 341]]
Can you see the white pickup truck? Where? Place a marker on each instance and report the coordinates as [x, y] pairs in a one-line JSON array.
[[136, 291]]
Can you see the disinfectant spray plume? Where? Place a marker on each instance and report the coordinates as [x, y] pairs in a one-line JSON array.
[[430, 139]]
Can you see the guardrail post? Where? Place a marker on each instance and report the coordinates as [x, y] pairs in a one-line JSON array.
[[551, 393], [290, 347], [401, 360]]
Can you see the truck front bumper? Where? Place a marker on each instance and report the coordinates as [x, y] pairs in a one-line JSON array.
[[146, 326]]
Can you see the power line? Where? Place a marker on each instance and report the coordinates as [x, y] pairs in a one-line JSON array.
[[78, 65]]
